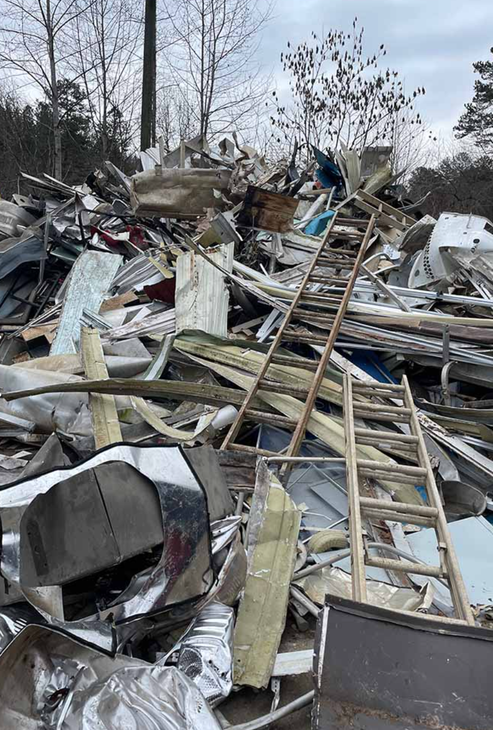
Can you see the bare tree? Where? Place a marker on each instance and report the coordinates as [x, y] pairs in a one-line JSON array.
[[175, 119], [212, 60], [413, 142], [105, 43], [339, 94], [31, 46]]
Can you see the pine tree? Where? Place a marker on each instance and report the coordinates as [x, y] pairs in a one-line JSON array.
[[477, 121]]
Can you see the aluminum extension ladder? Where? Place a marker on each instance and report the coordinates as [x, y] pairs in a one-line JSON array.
[[346, 264], [357, 469]]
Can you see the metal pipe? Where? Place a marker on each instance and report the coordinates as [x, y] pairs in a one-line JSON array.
[[304, 459], [323, 564], [266, 720], [306, 602]]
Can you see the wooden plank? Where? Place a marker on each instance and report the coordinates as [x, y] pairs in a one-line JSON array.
[[118, 302], [47, 330], [103, 407], [266, 210]]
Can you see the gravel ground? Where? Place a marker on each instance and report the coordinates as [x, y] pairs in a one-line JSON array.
[[249, 704]]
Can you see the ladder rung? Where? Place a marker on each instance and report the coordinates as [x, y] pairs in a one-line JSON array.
[[329, 280], [410, 509], [360, 222], [396, 399], [381, 408], [390, 516], [320, 297], [302, 337], [283, 388], [301, 312], [250, 449], [413, 471], [363, 387], [386, 476], [391, 417], [273, 419], [337, 251], [389, 445], [335, 264], [405, 566], [385, 435]]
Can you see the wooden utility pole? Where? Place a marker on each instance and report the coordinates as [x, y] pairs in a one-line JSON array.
[[148, 114]]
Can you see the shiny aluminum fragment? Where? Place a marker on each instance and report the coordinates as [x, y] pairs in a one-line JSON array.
[[49, 681], [206, 652], [143, 697], [15, 618]]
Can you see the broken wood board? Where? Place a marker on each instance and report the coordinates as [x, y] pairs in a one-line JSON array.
[[267, 211], [118, 302], [48, 331]]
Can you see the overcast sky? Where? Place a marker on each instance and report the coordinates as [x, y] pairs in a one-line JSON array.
[[432, 43]]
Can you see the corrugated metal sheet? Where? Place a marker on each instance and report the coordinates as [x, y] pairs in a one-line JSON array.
[[202, 298]]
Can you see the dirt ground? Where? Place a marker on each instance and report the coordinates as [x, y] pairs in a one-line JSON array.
[[248, 704]]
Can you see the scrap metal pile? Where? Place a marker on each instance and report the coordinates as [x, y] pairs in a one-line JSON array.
[[241, 401]]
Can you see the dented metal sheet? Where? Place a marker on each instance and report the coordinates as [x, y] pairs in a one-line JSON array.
[[378, 670], [337, 582], [182, 572], [148, 697], [48, 680]]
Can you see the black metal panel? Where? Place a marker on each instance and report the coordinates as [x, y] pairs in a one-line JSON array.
[[90, 522], [378, 669]]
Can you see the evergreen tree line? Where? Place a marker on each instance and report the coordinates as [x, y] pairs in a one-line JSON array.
[[26, 138], [463, 182]]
